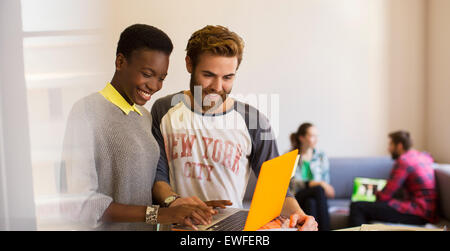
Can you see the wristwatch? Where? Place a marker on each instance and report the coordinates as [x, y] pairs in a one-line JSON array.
[[151, 214], [169, 200]]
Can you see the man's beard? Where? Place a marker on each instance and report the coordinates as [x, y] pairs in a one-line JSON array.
[[395, 155], [200, 95]]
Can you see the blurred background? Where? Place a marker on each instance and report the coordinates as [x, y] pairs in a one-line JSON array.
[[357, 69]]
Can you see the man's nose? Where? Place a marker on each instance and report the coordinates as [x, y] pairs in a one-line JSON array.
[[216, 85]]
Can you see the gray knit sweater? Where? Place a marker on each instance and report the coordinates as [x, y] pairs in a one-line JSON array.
[[108, 156]]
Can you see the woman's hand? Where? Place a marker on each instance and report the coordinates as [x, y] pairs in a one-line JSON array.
[[183, 214], [327, 188], [194, 201]]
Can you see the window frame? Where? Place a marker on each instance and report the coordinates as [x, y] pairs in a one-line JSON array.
[[17, 208]]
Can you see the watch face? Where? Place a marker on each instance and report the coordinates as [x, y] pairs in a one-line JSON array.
[[170, 199]]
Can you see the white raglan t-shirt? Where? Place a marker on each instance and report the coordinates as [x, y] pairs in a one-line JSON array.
[[210, 156]]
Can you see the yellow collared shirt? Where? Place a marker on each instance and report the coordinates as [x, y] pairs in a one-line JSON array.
[[113, 96]]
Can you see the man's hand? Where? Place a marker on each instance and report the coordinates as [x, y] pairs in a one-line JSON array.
[[303, 222], [218, 203], [194, 200]]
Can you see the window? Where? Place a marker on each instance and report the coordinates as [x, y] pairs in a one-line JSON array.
[[64, 60]]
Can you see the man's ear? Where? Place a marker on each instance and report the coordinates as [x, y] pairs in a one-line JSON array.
[[120, 61], [189, 65]]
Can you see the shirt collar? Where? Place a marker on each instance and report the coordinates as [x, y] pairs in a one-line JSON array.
[[113, 96]]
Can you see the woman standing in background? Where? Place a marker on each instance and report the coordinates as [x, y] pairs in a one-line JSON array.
[[312, 177]]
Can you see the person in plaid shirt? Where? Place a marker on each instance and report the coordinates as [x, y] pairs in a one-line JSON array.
[[412, 177]]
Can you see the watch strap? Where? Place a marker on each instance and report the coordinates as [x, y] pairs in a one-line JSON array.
[[151, 214]]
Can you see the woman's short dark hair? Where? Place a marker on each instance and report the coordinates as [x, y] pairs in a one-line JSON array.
[[139, 36], [402, 137], [302, 131]]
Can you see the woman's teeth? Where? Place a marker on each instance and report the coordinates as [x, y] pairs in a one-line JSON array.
[[144, 94]]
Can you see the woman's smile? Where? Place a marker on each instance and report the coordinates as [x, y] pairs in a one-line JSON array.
[[145, 95]]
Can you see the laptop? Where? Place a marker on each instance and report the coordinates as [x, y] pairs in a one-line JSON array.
[[365, 189], [267, 202]]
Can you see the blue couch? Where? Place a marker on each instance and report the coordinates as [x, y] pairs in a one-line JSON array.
[[342, 173], [344, 170]]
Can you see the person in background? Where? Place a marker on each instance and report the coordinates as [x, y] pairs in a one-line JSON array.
[[311, 180], [110, 155], [412, 177]]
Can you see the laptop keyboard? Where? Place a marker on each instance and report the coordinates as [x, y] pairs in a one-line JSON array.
[[234, 222]]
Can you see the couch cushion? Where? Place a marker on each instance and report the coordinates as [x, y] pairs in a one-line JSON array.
[[442, 175], [344, 170]]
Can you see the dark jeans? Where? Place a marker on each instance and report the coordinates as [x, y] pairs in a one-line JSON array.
[[314, 202], [364, 212]]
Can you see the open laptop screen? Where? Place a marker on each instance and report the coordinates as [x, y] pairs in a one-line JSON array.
[[365, 189]]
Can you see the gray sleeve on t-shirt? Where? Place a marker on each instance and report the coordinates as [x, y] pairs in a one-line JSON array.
[[159, 109], [264, 144]]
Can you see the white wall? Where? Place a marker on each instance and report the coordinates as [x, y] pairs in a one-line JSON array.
[[333, 63], [438, 127], [407, 26]]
